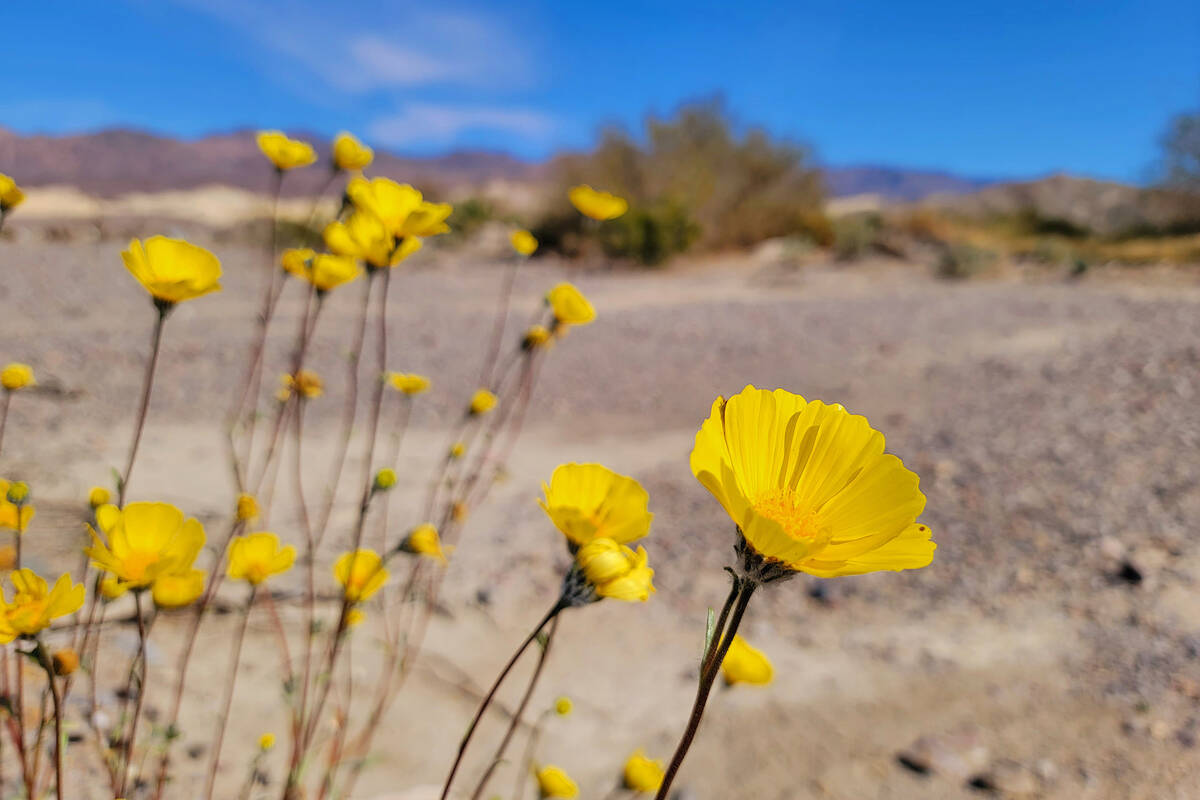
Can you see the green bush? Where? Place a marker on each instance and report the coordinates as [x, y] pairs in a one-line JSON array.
[[856, 235], [468, 217], [650, 236], [960, 260]]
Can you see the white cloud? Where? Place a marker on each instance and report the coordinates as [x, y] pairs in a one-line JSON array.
[[429, 123]]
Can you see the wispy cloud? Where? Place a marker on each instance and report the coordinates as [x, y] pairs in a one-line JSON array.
[[384, 44], [429, 123]]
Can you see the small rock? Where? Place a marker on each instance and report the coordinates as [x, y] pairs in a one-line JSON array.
[[1008, 778], [957, 756], [1160, 729]]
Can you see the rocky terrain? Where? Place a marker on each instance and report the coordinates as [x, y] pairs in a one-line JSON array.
[[1051, 650]]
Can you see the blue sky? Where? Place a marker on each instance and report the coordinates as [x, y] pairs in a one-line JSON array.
[[987, 89]]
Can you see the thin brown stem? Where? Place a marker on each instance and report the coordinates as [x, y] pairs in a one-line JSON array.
[[230, 682], [44, 659], [520, 712], [745, 590], [551, 615], [489, 363], [147, 388], [141, 694], [5, 401]]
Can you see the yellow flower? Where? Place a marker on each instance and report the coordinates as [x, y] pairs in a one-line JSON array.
[[616, 571], [365, 237], [35, 604], [569, 305], [306, 382], [597, 205], [257, 556], [247, 507], [424, 540], [10, 194], [324, 271], [65, 661], [387, 201], [536, 336], [524, 242], [428, 219], [361, 574], [563, 706], [111, 588], [809, 486], [458, 450], [16, 376], [98, 496], [587, 501], [144, 542], [642, 774], [355, 617], [178, 589], [350, 154], [13, 517], [745, 664], [266, 741], [385, 479], [408, 383], [554, 782], [283, 152], [482, 402], [172, 270]]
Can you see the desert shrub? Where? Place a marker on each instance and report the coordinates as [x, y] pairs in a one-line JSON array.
[[736, 187], [961, 260], [468, 217], [856, 235], [651, 235]]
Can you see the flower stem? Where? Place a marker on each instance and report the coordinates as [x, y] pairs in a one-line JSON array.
[[44, 659], [147, 387], [520, 712], [4, 403], [141, 693], [743, 590], [230, 682], [491, 695]]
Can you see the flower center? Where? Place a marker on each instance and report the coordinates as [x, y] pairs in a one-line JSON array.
[[798, 521], [137, 563]]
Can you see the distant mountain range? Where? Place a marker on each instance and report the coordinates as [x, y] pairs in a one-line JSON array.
[[120, 161]]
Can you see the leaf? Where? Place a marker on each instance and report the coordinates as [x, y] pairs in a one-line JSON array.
[[710, 630]]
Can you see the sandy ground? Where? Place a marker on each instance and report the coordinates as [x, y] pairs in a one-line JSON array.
[[1055, 426]]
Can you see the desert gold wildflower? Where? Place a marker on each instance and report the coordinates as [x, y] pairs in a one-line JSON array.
[[366, 237], [98, 496], [257, 556], [385, 479], [424, 540], [14, 516], [555, 782], [361, 574], [595, 204], [177, 589], [642, 774], [266, 741], [524, 242], [569, 305], [588, 501], [65, 661], [408, 383], [536, 336], [143, 542], [283, 152], [11, 195], [428, 219], [351, 154], [746, 664], [294, 260], [306, 383], [482, 402], [172, 270], [615, 570], [387, 201], [563, 706], [247, 507], [34, 604], [16, 376], [323, 270], [809, 486]]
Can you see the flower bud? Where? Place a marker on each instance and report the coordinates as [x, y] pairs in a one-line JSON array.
[[98, 496], [385, 479], [65, 661]]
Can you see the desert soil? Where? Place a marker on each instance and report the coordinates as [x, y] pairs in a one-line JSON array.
[[1049, 651]]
